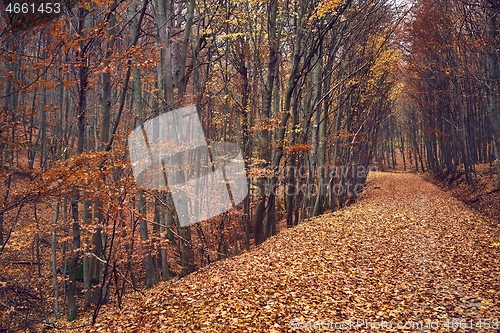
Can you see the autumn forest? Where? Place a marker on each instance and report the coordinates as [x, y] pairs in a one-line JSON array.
[[318, 97]]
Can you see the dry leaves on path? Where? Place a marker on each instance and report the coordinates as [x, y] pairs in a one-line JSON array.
[[405, 253]]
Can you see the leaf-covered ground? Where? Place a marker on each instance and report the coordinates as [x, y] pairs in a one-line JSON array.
[[406, 254]]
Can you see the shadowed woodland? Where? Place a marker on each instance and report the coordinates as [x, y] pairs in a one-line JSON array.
[[319, 95]]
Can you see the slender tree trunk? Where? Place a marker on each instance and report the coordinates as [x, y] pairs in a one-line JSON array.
[[493, 74], [81, 112], [72, 310], [291, 179], [265, 136], [403, 151], [319, 131], [151, 277], [55, 283], [185, 43], [162, 18]]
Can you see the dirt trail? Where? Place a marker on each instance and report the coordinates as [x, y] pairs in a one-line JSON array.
[[406, 253]]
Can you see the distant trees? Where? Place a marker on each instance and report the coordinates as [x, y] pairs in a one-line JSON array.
[[305, 88], [452, 84]]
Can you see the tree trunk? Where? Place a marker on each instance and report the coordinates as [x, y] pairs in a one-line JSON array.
[[55, 284], [265, 136], [493, 74], [151, 278], [82, 109]]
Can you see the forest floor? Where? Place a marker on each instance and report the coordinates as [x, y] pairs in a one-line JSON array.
[[485, 198], [406, 257]]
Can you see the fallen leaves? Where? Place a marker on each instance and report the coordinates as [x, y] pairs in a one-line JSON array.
[[423, 256]]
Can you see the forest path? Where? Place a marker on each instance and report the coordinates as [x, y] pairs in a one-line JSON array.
[[406, 252]]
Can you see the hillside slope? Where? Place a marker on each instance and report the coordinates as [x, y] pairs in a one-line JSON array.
[[406, 253]]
